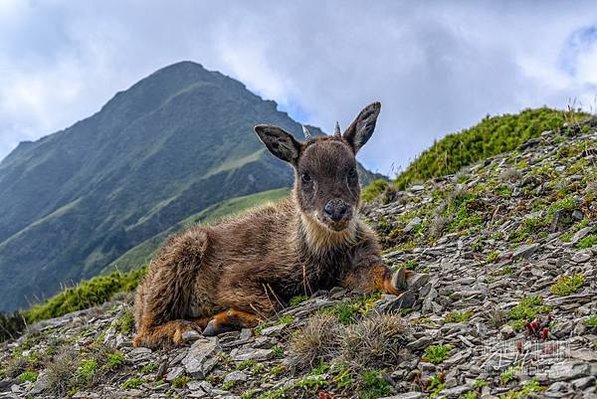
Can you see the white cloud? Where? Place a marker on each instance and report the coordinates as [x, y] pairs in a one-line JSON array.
[[437, 67]]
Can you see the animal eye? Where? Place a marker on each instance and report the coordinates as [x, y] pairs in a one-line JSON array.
[[352, 173], [306, 178]]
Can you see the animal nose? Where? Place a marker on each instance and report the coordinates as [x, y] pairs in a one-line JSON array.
[[335, 209]]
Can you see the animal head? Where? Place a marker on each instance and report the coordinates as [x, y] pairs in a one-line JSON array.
[[326, 180]]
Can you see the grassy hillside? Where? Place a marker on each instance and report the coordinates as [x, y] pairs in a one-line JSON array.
[[492, 136]]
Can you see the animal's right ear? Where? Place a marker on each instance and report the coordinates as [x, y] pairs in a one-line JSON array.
[[279, 142]]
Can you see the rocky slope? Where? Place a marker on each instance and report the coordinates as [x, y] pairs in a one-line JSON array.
[[509, 310]]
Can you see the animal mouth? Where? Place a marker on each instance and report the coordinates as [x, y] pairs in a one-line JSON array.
[[335, 225]]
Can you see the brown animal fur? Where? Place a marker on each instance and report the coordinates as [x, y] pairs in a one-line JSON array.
[[231, 275]]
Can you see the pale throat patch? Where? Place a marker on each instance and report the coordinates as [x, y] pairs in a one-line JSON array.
[[319, 238]]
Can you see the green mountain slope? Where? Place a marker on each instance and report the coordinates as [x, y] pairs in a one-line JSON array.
[[173, 144]]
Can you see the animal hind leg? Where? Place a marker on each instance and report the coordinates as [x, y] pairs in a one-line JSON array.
[[230, 320], [164, 296], [168, 334]]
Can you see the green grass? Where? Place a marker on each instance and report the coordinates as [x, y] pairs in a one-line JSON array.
[[125, 322], [246, 364], [587, 242], [492, 136], [591, 321], [509, 374], [493, 256], [87, 370], [373, 385], [25, 376], [480, 383], [84, 295], [149, 368], [436, 353], [296, 300], [250, 394], [528, 308], [348, 312], [374, 189], [529, 387], [566, 285], [278, 351], [279, 393], [228, 385], [436, 385], [458, 317], [114, 360], [567, 204], [312, 383], [257, 368], [133, 382], [181, 382]]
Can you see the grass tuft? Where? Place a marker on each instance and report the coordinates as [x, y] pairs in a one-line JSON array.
[[375, 342], [528, 308], [437, 353], [458, 317], [133, 382], [587, 242], [510, 374], [566, 285], [27, 376], [317, 341], [181, 382]]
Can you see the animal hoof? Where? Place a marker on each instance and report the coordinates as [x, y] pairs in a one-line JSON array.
[[190, 336], [210, 330], [399, 280]]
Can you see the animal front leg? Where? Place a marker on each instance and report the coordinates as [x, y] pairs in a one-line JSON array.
[[377, 277]]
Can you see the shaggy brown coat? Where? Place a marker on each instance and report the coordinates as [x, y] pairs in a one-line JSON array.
[[233, 274]]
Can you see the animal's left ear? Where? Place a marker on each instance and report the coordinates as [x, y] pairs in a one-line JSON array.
[[360, 131]]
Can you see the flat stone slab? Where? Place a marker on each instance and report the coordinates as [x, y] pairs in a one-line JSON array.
[[202, 357], [241, 354]]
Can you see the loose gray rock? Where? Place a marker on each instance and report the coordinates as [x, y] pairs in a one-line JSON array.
[[390, 303], [584, 383], [568, 371], [412, 224], [455, 392], [175, 373], [236, 376], [202, 357], [190, 336], [241, 354], [525, 251], [409, 395]]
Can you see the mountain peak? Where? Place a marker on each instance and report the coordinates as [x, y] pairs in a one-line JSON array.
[[173, 144]]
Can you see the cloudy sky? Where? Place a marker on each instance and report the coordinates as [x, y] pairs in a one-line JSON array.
[[437, 67]]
